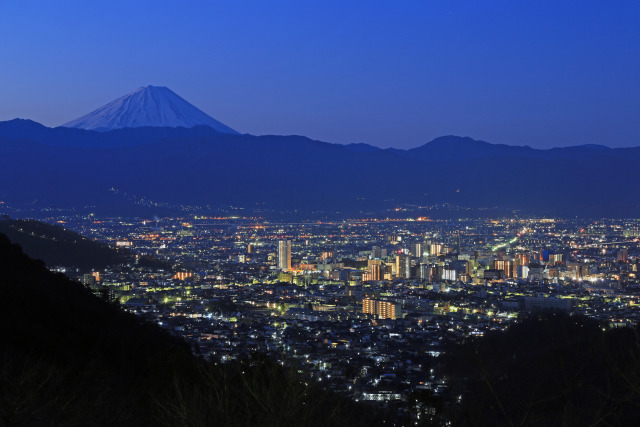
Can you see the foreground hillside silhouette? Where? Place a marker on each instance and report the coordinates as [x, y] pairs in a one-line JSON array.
[[56, 245], [548, 369], [69, 358]]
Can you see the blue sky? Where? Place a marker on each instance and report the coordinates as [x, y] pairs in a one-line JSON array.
[[543, 73]]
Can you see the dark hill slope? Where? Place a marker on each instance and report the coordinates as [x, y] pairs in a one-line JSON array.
[[548, 369], [56, 245], [69, 358]]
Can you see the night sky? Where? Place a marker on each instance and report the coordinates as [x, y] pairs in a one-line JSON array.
[[543, 73]]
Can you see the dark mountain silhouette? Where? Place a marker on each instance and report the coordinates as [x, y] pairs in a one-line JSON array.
[[361, 148], [63, 167], [56, 245], [547, 369], [81, 138], [70, 358]]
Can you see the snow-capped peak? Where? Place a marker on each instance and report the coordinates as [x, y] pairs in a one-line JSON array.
[[155, 106]]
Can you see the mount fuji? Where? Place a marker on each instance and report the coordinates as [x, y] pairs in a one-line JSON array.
[[153, 106]]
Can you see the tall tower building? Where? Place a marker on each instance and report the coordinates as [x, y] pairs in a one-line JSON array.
[[417, 250], [407, 268], [435, 249], [284, 255], [376, 271], [399, 265]]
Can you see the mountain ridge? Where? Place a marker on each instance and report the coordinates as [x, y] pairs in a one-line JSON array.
[[27, 128], [201, 167]]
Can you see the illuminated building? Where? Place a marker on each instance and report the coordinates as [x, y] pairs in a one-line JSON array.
[[386, 310], [182, 275], [554, 258], [381, 309], [425, 271], [284, 255], [285, 277], [417, 250], [403, 266], [523, 259], [375, 271], [407, 268], [369, 306], [326, 255], [523, 271], [448, 274], [510, 267]]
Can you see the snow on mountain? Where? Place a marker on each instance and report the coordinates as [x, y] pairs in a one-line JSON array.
[[154, 106]]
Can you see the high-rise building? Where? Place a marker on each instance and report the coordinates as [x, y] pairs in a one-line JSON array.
[[376, 271], [369, 306], [284, 255], [387, 310], [407, 268], [448, 274], [509, 266], [417, 250], [523, 271], [403, 266], [398, 265], [425, 271]]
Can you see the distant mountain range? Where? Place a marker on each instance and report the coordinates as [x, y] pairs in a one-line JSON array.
[[168, 167], [62, 167]]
